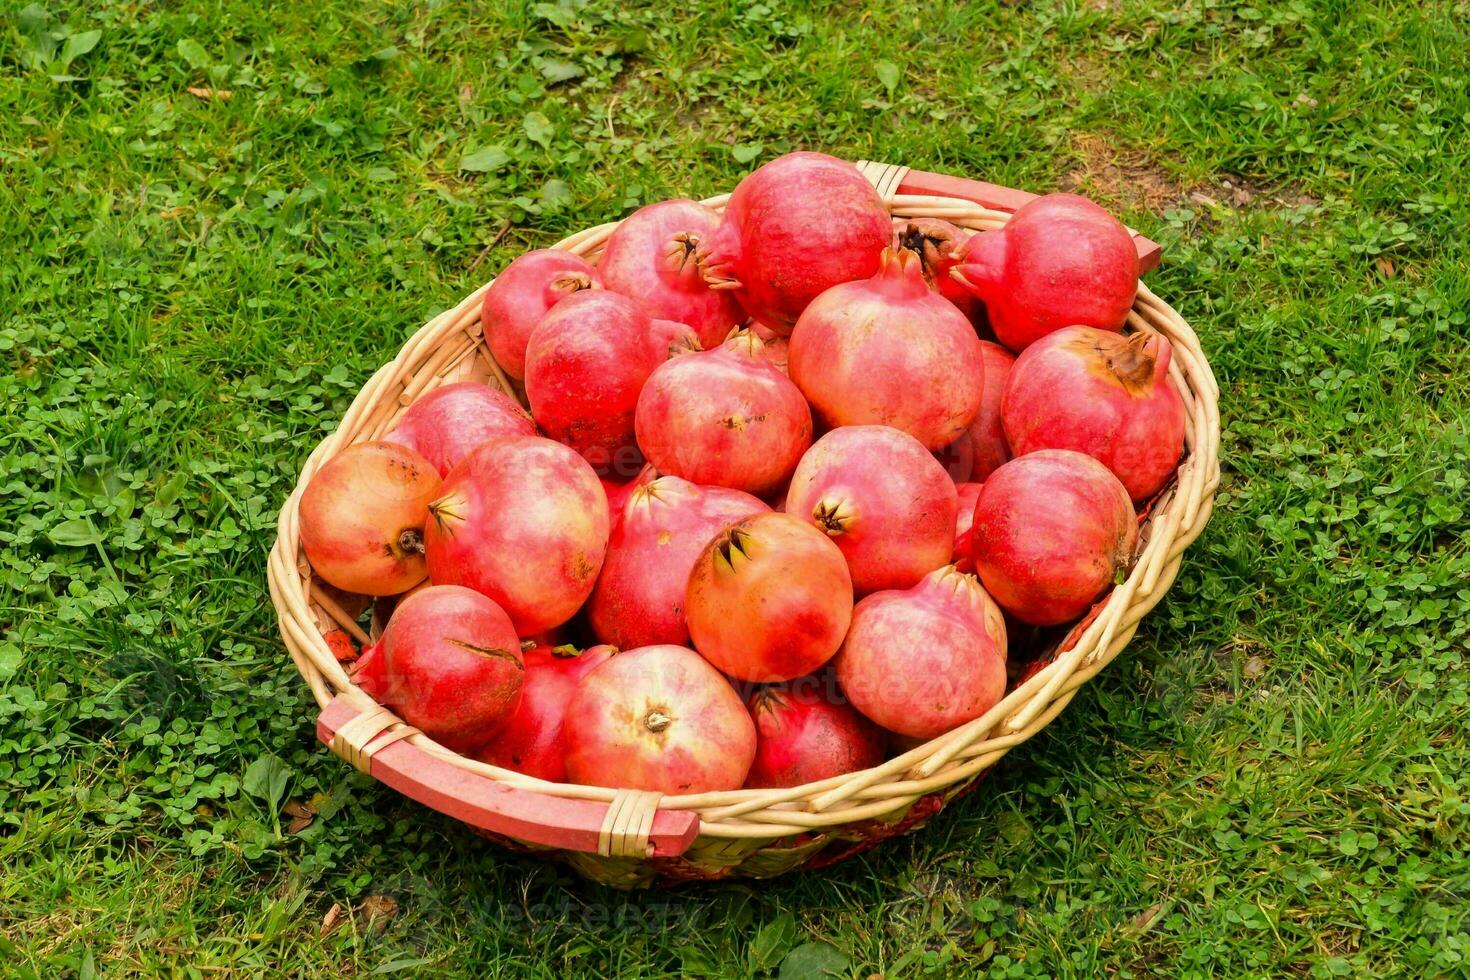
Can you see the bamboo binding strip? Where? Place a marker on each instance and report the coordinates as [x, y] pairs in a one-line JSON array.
[[759, 832]]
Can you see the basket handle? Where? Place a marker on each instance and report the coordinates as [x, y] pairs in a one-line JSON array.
[[629, 826], [999, 198]]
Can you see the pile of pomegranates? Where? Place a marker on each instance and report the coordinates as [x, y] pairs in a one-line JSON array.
[[788, 473]]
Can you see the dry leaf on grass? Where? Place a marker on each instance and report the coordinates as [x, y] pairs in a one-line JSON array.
[[301, 814], [331, 920], [207, 94], [377, 909]]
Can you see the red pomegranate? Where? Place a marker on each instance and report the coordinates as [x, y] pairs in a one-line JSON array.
[[451, 665], [799, 225], [362, 518], [804, 734], [1052, 531], [639, 598], [658, 718], [1102, 394], [444, 425], [921, 661], [650, 258], [524, 521], [1061, 260], [886, 502], [769, 599], [726, 417], [531, 740], [887, 351], [983, 447], [938, 245], [585, 365], [520, 296], [964, 516]]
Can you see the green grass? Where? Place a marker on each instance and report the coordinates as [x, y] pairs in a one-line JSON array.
[[1270, 781]]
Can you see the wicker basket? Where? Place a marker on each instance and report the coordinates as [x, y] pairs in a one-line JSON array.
[[632, 838]]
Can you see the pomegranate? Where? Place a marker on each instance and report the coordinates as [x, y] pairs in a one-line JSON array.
[[523, 520], [802, 736], [362, 518], [887, 503], [964, 516], [639, 598], [520, 296], [769, 599], [1102, 394], [726, 417], [658, 718], [1061, 260], [451, 665], [650, 258], [799, 225], [444, 425], [921, 661], [938, 245], [585, 365], [1052, 530], [887, 351], [531, 740]]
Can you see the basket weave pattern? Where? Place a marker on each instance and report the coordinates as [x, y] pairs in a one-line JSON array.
[[756, 833]]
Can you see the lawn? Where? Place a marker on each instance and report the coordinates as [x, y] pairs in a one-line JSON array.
[[218, 219]]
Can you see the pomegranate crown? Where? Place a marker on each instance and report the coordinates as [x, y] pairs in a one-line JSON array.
[[1139, 361], [901, 274], [745, 342], [681, 254]]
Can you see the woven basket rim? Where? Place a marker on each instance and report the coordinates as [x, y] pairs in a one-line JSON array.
[[450, 347]]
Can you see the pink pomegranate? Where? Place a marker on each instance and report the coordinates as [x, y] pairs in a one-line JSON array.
[[964, 516], [1061, 260], [531, 740], [585, 366], [639, 598], [1052, 531], [650, 258], [362, 518], [887, 351], [803, 735], [886, 502], [769, 599], [922, 661], [1102, 394], [726, 417], [444, 425], [799, 225], [450, 665], [524, 521], [658, 718], [520, 296], [938, 245]]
